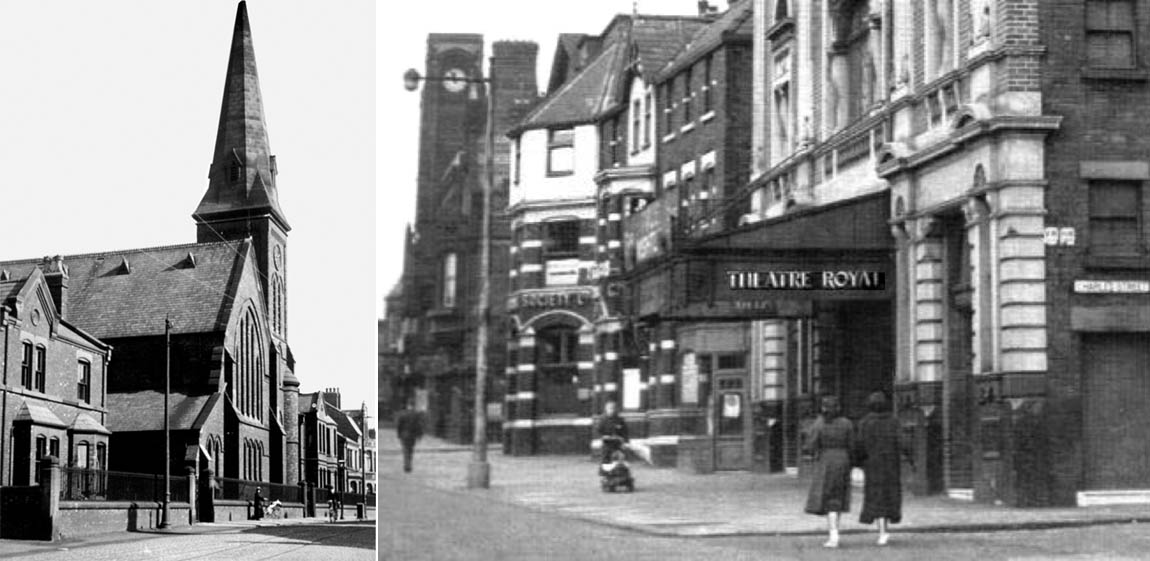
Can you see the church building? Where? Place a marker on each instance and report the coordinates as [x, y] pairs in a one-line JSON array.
[[219, 304]]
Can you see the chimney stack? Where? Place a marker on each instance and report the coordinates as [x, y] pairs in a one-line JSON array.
[[56, 276], [331, 396]]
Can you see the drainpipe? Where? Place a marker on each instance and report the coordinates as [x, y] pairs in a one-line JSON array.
[[4, 395]]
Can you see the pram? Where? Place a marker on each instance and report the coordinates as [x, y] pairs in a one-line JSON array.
[[614, 473]]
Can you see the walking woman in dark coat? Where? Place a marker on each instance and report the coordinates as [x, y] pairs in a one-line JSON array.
[[831, 442], [880, 454]]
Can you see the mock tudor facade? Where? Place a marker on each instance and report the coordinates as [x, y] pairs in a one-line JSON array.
[[587, 149]]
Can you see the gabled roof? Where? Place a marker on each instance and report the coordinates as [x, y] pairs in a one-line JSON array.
[[581, 99], [735, 21], [646, 39], [128, 293], [344, 424], [144, 411]]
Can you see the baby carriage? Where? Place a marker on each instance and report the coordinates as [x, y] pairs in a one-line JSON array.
[[614, 473]]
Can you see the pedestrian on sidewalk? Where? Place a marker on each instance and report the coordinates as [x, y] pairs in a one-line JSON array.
[[258, 504], [612, 431], [879, 453], [830, 443], [409, 428]]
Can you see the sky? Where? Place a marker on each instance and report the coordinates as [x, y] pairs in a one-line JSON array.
[[108, 113], [403, 30]]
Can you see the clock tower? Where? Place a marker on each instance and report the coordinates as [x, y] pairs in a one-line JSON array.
[[451, 127]]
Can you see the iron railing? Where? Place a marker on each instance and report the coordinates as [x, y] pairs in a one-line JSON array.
[[82, 484], [241, 489]]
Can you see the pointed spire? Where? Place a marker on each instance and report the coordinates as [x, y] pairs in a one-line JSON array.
[[241, 180]]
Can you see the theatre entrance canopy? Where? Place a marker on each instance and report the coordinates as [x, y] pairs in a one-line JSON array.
[[777, 268]]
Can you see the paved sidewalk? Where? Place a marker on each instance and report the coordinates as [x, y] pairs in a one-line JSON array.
[[669, 502]]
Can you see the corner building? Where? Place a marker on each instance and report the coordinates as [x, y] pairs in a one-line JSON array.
[[583, 158], [1003, 140]]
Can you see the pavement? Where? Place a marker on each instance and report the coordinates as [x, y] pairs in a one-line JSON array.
[[668, 502], [234, 541]]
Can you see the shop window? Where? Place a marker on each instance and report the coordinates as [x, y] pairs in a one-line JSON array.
[[560, 151], [26, 366], [84, 381], [731, 361], [1110, 33], [450, 274], [1114, 210]]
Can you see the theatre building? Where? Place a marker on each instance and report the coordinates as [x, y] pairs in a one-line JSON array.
[[989, 157]]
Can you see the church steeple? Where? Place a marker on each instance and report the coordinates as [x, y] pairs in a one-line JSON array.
[[241, 180]]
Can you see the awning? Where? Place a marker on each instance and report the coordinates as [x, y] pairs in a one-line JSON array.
[[781, 267]]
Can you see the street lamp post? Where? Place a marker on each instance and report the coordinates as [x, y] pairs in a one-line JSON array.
[[165, 513], [479, 470]]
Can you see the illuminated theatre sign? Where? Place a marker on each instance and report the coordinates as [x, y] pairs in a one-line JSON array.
[[792, 280]]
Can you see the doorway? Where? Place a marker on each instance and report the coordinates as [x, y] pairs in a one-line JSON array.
[[731, 422]]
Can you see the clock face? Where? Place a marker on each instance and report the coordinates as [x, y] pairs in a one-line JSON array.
[[454, 80]]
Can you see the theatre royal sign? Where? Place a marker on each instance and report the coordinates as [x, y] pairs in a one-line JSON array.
[[806, 280]]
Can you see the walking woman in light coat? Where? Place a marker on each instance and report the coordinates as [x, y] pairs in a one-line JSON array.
[[880, 454], [831, 442]]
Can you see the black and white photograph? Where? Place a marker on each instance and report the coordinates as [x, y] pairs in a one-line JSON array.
[[764, 279], [186, 346]]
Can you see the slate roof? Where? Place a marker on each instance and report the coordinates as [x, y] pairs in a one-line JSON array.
[[144, 411], [10, 288], [597, 88], [344, 424], [38, 415], [659, 39], [109, 302], [85, 423], [736, 20]]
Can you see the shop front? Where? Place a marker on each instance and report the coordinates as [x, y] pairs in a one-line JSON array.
[[745, 330]]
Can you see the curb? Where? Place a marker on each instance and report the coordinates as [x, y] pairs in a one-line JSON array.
[[972, 528]]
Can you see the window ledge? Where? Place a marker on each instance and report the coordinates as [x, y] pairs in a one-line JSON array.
[[707, 116], [668, 138], [687, 128], [1116, 74], [560, 173], [1128, 262]]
